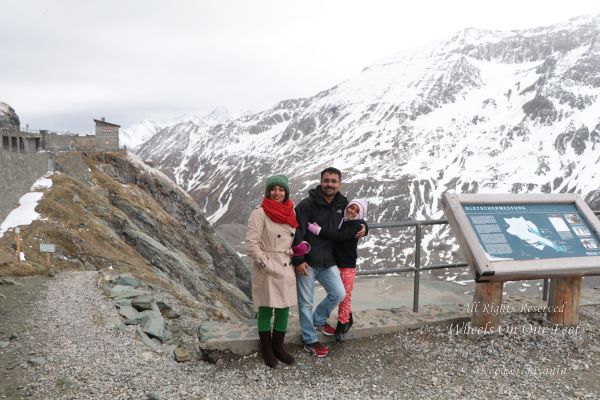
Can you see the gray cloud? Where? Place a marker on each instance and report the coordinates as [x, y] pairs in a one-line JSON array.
[[66, 62]]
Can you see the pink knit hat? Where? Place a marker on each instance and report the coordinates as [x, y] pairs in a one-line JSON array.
[[362, 208]]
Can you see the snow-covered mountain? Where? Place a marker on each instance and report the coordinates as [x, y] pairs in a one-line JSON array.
[[8, 117], [135, 135], [479, 111]]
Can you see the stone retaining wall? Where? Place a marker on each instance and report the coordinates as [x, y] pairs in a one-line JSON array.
[[18, 171], [54, 142]]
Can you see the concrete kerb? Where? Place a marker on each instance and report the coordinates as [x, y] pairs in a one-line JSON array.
[[242, 338]]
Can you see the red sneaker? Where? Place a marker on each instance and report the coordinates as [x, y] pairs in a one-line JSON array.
[[326, 330], [317, 349]]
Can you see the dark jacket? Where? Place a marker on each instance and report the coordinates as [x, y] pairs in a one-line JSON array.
[[344, 250], [314, 208]]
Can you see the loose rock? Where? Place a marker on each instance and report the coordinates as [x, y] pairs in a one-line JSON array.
[[37, 361], [182, 355], [128, 281], [142, 303]]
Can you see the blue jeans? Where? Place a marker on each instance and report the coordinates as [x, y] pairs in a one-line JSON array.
[[330, 279]]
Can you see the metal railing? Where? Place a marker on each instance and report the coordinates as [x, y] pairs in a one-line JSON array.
[[38, 132], [417, 268]]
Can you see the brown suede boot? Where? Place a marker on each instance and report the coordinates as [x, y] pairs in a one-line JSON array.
[[278, 350], [266, 349]]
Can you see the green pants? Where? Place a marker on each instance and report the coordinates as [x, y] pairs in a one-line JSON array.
[[281, 319]]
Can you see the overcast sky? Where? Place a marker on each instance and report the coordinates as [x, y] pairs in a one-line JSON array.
[[65, 62]]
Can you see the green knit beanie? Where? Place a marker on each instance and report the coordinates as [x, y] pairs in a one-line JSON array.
[[278, 180]]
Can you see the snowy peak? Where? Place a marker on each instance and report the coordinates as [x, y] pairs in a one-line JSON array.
[[134, 135], [217, 116], [4, 108], [138, 134], [8, 117], [506, 46], [582, 21]]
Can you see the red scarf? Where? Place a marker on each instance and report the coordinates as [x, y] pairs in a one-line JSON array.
[[280, 213]]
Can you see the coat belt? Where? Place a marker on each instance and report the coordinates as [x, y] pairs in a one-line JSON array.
[[286, 251]]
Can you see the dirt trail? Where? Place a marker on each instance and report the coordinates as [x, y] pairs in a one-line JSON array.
[[16, 310]]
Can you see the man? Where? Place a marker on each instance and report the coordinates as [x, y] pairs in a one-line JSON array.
[[325, 206]]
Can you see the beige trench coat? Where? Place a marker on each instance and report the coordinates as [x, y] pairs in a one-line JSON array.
[[268, 242]]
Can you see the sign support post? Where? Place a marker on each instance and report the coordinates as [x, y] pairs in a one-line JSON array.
[[487, 302], [563, 304]]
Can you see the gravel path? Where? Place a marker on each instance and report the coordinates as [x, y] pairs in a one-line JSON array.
[[16, 306], [87, 358]]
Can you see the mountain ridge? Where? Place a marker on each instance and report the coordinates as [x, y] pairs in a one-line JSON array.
[[504, 112]]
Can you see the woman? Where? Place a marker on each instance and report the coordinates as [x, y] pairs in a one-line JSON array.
[[271, 229]]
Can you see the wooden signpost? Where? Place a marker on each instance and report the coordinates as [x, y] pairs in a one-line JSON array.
[[526, 236], [487, 296], [18, 239], [563, 301], [47, 248]]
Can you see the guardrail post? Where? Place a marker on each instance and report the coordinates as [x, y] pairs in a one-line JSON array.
[[545, 290], [417, 268]]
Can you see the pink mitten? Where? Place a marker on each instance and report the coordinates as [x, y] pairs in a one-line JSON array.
[[314, 228], [301, 249]]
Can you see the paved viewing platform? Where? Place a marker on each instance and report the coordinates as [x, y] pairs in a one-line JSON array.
[[380, 305]]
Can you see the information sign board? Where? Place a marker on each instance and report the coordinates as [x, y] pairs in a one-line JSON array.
[[527, 236]]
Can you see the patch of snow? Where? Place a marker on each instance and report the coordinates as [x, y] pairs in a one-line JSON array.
[[25, 213], [4, 108]]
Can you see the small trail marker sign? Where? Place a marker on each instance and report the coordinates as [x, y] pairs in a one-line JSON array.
[[47, 248]]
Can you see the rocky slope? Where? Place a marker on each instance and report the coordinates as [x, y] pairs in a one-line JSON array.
[[110, 212], [478, 111], [8, 117]]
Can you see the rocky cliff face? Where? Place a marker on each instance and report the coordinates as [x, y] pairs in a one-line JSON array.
[[8, 117], [107, 211], [480, 111]]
